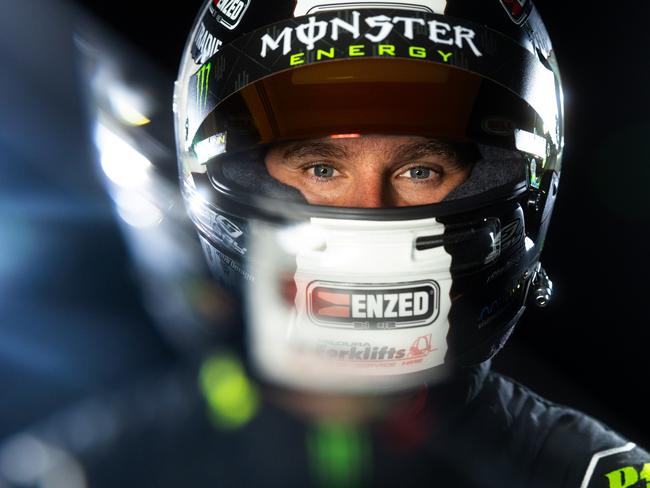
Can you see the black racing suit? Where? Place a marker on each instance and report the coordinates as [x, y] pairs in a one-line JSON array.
[[489, 431]]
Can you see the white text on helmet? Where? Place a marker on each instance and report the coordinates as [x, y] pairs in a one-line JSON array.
[[206, 44], [390, 305], [380, 27], [231, 8]]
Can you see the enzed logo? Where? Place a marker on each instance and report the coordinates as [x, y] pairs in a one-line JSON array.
[[229, 12], [202, 85], [371, 306]]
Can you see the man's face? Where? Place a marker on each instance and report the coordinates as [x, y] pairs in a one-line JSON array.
[[368, 171]]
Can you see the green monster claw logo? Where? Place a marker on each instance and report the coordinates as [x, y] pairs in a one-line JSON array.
[[202, 84]]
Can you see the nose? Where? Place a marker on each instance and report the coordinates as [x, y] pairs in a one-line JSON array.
[[370, 191]]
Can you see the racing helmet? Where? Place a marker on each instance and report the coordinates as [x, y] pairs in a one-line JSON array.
[[347, 299]]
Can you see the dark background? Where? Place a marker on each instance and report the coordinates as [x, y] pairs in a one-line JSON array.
[[588, 348]]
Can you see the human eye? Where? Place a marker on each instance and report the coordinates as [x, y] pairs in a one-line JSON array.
[[420, 174], [321, 171]]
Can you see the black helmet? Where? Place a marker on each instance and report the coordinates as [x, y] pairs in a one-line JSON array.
[[371, 299]]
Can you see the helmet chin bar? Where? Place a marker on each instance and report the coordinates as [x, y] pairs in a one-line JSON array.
[[542, 287], [348, 306]]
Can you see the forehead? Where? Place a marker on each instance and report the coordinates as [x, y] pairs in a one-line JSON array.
[[354, 145]]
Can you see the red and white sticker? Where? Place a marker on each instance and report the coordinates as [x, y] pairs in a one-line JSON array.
[[368, 354], [373, 306]]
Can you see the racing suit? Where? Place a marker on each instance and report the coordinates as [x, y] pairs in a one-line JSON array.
[[480, 430]]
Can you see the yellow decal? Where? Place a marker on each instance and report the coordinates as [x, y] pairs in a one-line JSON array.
[[328, 54], [357, 50], [297, 59], [386, 49], [361, 50], [628, 476], [417, 52]]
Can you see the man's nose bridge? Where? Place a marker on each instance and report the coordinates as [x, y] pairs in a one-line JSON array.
[[373, 190]]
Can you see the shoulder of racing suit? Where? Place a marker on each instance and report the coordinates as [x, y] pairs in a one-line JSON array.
[[537, 443]]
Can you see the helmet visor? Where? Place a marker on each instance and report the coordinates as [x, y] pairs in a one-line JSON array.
[[369, 96]]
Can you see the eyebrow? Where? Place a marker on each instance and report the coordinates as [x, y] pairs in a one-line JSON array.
[[417, 150], [424, 149], [324, 149]]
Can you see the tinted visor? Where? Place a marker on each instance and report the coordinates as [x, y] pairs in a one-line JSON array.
[[369, 96]]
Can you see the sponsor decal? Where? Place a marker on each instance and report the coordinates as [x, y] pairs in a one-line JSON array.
[[629, 476], [599, 469], [205, 45], [220, 263], [505, 239], [370, 306], [510, 234], [306, 7], [367, 353], [490, 311], [350, 34], [420, 348], [229, 12], [518, 10], [210, 147], [202, 85], [227, 233], [369, 34]]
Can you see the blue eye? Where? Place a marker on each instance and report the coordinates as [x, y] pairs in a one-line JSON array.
[[420, 173], [323, 171]]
